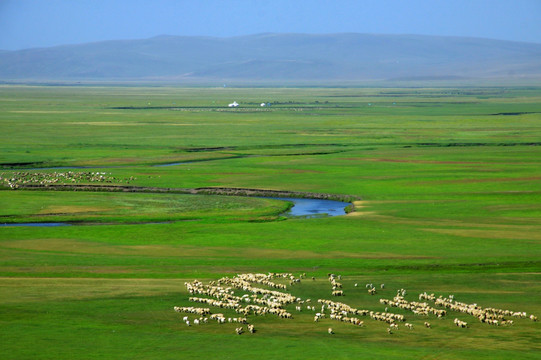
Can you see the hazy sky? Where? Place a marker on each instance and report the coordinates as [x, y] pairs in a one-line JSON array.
[[40, 23]]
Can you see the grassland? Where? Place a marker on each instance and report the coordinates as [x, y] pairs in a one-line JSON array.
[[450, 183]]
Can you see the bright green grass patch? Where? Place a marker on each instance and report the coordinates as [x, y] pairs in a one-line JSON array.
[[88, 126], [137, 315], [47, 206]]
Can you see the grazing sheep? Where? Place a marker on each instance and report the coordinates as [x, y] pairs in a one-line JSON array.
[[193, 310], [262, 301], [25, 178], [415, 307], [491, 316]]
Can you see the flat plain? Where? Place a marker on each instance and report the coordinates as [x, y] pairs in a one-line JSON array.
[[449, 182]]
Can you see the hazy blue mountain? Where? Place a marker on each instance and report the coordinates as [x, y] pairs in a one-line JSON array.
[[278, 57]]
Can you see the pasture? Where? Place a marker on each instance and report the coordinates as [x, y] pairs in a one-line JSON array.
[[449, 182]]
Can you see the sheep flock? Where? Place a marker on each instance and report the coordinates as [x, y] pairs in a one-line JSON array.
[[14, 180], [263, 295]]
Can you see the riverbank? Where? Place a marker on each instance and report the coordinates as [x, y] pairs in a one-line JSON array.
[[227, 191]]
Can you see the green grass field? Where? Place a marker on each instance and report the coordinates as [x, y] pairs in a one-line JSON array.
[[450, 182]]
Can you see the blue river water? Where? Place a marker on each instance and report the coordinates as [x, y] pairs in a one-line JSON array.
[[314, 207]]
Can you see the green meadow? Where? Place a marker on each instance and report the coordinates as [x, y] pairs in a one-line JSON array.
[[449, 181]]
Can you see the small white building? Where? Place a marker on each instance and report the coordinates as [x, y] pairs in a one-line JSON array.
[[233, 104]]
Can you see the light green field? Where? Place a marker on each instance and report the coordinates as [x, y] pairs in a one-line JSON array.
[[450, 182]]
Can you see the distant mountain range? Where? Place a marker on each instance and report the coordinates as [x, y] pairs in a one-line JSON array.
[[276, 57]]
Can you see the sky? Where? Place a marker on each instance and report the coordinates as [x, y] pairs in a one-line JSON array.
[[43, 23]]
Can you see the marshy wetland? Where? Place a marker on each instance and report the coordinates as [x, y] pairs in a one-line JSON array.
[[445, 187]]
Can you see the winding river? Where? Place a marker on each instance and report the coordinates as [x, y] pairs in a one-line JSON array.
[[302, 208]]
